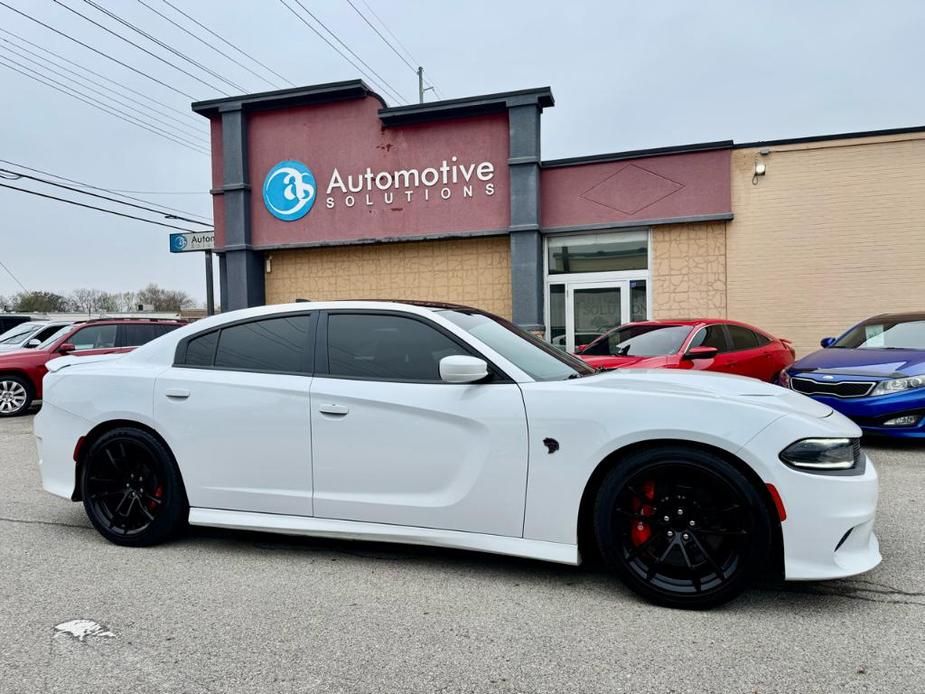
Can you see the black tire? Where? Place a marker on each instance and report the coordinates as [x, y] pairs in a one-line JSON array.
[[716, 539], [131, 488], [16, 395]]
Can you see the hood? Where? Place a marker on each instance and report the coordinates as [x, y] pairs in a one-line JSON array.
[[712, 385], [884, 363], [64, 362], [610, 362]]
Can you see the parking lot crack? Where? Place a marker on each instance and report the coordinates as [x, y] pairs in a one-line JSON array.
[[31, 521]]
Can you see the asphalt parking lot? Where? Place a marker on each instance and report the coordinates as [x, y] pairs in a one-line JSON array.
[[226, 611]]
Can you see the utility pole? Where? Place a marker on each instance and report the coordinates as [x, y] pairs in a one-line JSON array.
[[421, 88]]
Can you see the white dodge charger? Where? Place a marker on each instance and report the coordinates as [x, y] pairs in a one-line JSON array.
[[444, 425]]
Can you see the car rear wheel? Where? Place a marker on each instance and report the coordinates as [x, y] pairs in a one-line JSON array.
[[682, 527], [15, 396], [131, 488]]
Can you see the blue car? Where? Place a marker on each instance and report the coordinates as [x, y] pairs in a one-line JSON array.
[[874, 374]]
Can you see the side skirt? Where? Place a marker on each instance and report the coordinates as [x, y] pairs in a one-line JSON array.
[[381, 532]]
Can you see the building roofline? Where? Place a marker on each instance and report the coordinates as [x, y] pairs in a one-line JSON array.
[[637, 154], [836, 136], [296, 96], [499, 102]]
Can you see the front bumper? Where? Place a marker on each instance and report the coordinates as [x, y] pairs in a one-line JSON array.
[[829, 529], [870, 413]]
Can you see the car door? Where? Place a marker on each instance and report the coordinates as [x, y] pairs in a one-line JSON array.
[[746, 358], [234, 408], [94, 339], [392, 443], [711, 336]]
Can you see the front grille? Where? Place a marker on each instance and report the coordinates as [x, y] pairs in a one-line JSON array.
[[838, 389]]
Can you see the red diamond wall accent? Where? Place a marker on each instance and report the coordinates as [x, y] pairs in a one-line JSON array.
[[631, 189]]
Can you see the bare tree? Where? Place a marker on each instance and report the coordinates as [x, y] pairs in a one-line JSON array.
[[164, 299], [94, 300]]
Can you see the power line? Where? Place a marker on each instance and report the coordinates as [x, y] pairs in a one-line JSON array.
[[119, 98], [206, 43], [413, 61], [111, 190], [99, 52], [382, 83], [163, 45], [103, 197], [15, 278], [94, 207], [227, 42], [47, 81], [140, 48], [127, 88]]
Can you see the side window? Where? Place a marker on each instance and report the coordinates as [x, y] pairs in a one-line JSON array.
[[742, 338], [274, 344], [201, 350], [710, 336], [45, 333], [135, 335], [95, 337], [385, 347]]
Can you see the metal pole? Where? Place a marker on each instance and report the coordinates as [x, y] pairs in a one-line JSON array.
[[210, 286], [420, 85]]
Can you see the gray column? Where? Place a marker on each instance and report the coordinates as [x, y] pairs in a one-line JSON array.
[[241, 272], [526, 240]]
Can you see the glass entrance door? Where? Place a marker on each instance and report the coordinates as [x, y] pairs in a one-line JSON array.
[[581, 311]]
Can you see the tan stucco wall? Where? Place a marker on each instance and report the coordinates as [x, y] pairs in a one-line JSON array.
[[474, 271], [689, 270], [833, 233]]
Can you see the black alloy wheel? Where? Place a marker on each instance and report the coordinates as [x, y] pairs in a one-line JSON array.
[[682, 527], [131, 488]]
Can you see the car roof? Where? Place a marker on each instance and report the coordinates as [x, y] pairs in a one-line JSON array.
[[899, 317]]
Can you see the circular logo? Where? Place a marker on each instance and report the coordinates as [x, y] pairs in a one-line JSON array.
[[179, 242], [289, 190]]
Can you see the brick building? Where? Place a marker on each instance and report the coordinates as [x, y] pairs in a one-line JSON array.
[[325, 192]]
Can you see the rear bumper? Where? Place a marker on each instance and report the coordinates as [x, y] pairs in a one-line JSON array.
[[56, 436]]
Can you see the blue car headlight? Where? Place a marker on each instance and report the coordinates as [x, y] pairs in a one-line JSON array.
[[898, 385]]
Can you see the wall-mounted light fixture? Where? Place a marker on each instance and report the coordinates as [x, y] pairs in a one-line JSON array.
[[760, 167]]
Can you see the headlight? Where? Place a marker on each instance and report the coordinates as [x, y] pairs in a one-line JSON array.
[[898, 385], [822, 454], [784, 380]]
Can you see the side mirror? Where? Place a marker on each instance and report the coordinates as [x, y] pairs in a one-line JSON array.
[[460, 368], [579, 348], [827, 342], [67, 348], [701, 353], [33, 343]]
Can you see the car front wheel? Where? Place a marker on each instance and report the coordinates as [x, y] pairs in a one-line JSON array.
[[15, 396], [131, 488], [682, 527]]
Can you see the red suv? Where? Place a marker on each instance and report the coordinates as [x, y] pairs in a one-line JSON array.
[[21, 371]]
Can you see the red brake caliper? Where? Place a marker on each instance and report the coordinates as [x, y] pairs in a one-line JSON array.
[[158, 493], [641, 531]]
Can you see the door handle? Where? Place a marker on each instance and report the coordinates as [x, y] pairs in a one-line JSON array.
[[177, 393], [334, 409]]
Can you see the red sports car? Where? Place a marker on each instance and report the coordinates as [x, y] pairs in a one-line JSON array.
[[707, 344]]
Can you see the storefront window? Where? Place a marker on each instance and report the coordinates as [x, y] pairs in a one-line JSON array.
[[557, 331], [638, 302], [610, 252]]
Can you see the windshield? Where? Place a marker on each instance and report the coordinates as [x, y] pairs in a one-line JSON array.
[[535, 357], [644, 340], [19, 333], [884, 335]]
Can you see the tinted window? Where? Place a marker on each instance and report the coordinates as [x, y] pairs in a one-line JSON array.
[[136, 335], [386, 347], [274, 344], [45, 333], [200, 350], [640, 341], [710, 336], [742, 338], [95, 337]]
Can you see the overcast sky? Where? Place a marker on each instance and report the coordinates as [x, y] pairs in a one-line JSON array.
[[626, 75]]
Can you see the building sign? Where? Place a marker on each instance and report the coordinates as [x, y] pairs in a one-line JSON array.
[[289, 190], [185, 243]]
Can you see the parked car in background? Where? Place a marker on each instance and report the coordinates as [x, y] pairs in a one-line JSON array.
[[416, 423], [29, 334], [702, 344], [874, 374], [21, 371], [8, 321]]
